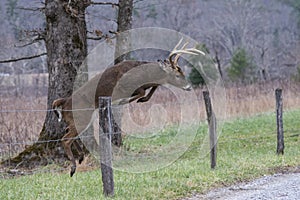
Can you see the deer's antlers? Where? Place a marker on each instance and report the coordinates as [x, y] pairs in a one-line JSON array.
[[178, 52]]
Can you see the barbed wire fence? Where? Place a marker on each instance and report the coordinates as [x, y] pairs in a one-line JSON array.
[[9, 148]]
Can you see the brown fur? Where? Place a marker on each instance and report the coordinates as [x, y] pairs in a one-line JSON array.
[[112, 82]]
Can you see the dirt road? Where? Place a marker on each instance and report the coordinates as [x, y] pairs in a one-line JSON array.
[[278, 186]]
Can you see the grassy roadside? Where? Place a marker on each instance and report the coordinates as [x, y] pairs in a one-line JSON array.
[[246, 150]]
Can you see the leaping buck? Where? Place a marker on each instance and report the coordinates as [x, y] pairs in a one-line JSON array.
[[125, 82]]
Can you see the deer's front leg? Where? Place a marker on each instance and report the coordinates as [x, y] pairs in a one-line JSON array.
[[140, 92], [67, 141], [149, 95]]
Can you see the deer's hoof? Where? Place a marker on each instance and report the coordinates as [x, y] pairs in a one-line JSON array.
[[73, 169], [120, 101], [81, 159], [141, 100]]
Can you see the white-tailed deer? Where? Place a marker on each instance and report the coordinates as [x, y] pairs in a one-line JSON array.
[[124, 82]]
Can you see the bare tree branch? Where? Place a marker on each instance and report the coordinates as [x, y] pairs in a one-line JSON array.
[[137, 1], [41, 9], [145, 6], [104, 3], [22, 58], [33, 41], [95, 38], [113, 32], [31, 37], [104, 37], [102, 17]]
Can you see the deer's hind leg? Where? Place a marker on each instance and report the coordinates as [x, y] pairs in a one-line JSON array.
[[67, 141], [140, 92], [79, 150], [149, 95]]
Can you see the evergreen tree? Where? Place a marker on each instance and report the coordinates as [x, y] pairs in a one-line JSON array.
[[241, 68], [196, 78], [203, 68]]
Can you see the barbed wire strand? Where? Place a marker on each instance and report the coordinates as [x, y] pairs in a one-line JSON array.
[[11, 144], [55, 140], [42, 110], [79, 109], [136, 155], [93, 136]]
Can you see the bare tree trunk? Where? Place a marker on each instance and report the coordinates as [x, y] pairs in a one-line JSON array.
[[66, 49], [122, 45], [66, 46], [124, 24]]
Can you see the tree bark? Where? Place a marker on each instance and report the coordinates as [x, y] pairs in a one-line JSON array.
[[123, 44], [66, 44], [124, 24], [66, 49]]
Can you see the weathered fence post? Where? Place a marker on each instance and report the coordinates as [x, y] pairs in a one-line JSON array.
[[280, 138], [105, 122], [211, 119]]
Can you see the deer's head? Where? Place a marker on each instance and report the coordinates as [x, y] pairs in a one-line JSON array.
[[175, 76]]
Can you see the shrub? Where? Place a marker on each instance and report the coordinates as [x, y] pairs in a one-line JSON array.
[[203, 68], [241, 67]]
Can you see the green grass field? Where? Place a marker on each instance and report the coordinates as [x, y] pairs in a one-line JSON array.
[[246, 150]]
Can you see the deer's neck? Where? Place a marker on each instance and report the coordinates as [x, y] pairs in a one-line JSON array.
[[146, 74]]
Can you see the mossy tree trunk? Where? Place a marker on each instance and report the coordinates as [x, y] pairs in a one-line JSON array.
[[66, 45]]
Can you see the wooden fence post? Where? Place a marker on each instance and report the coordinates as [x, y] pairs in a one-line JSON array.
[[211, 119], [105, 122], [280, 138]]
